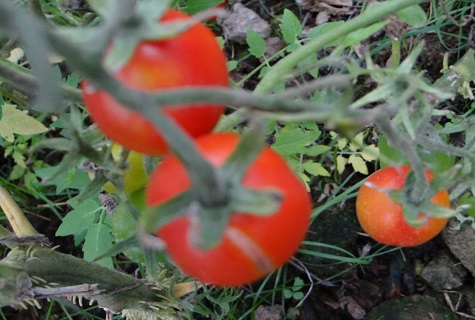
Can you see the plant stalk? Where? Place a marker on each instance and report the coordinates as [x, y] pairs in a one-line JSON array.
[[20, 224]]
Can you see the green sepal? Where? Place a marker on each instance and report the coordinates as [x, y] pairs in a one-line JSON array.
[[156, 217], [256, 202]]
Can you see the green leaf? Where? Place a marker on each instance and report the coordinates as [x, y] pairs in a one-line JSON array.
[[315, 169], [314, 151], [414, 16], [290, 26], [293, 141], [257, 45], [468, 199], [298, 284], [70, 179], [194, 6], [98, 240], [388, 155], [124, 228], [80, 219], [15, 121]]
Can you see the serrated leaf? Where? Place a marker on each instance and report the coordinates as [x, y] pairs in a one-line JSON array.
[[298, 295], [257, 45], [342, 142], [363, 33], [358, 164], [288, 293], [413, 15], [79, 219], [357, 142], [19, 159], [293, 141], [290, 27], [341, 163], [15, 121], [315, 169], [370, 153], [298, 284], [63, 179], [98, 240]]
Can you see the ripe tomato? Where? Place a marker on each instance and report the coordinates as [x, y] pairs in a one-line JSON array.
[[382, 218], [252, 245], [193, 58]]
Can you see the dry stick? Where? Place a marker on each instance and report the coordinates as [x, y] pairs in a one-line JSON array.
[[20, 224]]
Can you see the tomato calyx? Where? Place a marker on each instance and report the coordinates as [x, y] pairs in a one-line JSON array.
[[416, 200], [209, 209]]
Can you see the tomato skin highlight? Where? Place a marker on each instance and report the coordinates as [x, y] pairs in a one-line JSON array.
[[278, 236], [193, 58], [382, 218]]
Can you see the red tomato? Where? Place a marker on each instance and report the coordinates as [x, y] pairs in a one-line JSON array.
[[382, 218], [193, 58], [252, 245]]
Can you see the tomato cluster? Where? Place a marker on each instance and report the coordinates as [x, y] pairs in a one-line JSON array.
[[383, 219], [193, 58], [251, 245]]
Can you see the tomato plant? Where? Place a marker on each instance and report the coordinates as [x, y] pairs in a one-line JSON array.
[[193, 58], [252, 245], [383, 219]]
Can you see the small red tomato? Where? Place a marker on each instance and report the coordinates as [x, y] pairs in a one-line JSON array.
[[383, 219], [193, 58], [252, 245]]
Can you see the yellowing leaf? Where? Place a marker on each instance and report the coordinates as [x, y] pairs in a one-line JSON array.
[[358, 164], [315, 169], [15, 121], [370, 153], [341, 163], [357, 142], [305, 179], [342, 142]]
